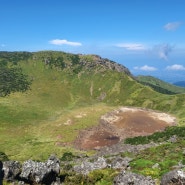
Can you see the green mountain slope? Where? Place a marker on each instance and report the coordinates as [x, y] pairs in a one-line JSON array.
[[159, 85], [45, 119]]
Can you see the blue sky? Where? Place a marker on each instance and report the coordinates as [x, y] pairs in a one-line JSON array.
[[146, 36]]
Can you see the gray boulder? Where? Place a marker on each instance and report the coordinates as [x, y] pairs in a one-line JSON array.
[[128, 178], [86, 166], [41, 172], [175, 177], [121, 163], [11, 170]]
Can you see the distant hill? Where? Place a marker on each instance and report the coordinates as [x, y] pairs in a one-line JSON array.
[[159, 85], [180, 83]]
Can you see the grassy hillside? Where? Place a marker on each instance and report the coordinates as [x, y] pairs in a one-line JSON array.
[[68, 93], [159, 85]]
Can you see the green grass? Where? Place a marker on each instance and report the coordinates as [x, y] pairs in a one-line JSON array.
[[96, 177], [166, 156]]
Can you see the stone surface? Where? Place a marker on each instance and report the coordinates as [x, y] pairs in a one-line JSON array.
[[87, 166], [41, 172], [11, 170], [128, 178], [121, 163], [175, 177]]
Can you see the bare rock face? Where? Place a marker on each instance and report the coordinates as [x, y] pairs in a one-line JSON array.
[[128, 178], [41, 172], [175, 177], [11, 170]]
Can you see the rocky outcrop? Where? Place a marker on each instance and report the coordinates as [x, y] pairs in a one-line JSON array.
[[11, 170], [41, 172], [97, 61], [128, 178], [175, 177], [48, 173], [31, 172]]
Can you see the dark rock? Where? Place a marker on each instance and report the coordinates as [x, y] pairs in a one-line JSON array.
[[128, 178], [1, 173], [11, 170], [175, 177], [41, 172]]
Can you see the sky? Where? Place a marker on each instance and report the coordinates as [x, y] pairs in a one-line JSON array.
[[146, 36]]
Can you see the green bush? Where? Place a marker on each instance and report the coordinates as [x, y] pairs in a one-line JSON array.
[[179, 132], [67, 156], [13, 80], [3, 157]]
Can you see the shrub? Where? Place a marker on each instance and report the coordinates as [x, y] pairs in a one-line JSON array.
[[3, 157]]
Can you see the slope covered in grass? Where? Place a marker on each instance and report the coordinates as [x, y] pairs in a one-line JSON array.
[[68, 93], [159, 85]]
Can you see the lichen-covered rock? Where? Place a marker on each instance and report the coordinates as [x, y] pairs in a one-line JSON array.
[[121, 163], [175, 177], [41, 172], [86, 166], [128, 178], [11, 170]]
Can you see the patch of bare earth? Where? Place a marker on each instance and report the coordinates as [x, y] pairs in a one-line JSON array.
[[122, 123]]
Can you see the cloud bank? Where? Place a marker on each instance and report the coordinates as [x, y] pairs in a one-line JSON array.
[[175, 67], [161, 50], [132, 46], [145, 68], [64, 42], [172, 26]]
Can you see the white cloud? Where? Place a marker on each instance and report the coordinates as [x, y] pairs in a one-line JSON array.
[[172, 26], [145, 68], [176, 67], [64, 42], [132, 46]]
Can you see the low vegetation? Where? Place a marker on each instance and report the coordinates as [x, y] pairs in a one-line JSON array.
[[169, 132], [158, 160]]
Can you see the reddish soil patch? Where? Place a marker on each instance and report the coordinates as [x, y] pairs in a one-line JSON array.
[[123, 123], [139, 121], [99, 139]]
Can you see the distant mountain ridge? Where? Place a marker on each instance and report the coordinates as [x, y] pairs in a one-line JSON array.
[[159, 85], [180, 83]]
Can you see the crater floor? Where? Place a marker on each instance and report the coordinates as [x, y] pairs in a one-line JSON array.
[[123, 123]]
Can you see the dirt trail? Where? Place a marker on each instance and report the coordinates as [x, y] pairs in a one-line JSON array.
[[122, 123]]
